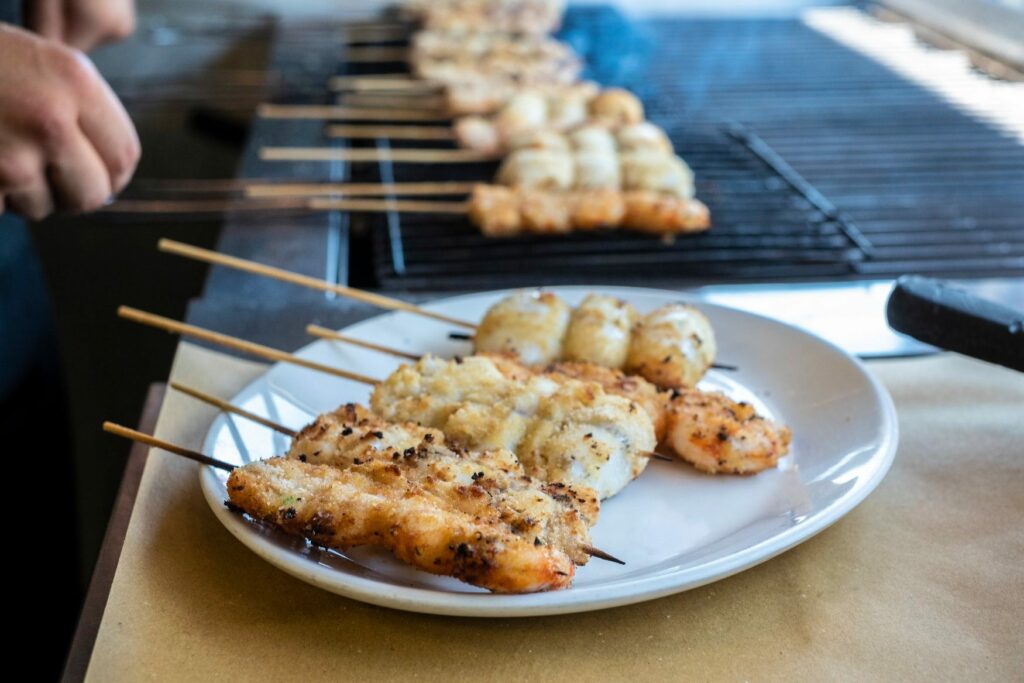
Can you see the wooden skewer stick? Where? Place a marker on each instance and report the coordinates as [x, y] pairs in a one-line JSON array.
[[229, 408], [381, 301], [385, 205], [374, 55], [357, 189], [374, 34], [378, 82], [336, 113], [125, 432], [134, 435], [324, 333], [597, 552], [252, 348], [385, 83], [413, 156], [387, 100], [357, 132], [278, 203]]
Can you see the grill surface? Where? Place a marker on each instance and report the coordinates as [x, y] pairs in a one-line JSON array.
[[837, 169]]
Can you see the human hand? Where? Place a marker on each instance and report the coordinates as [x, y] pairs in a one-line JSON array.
[[65, 140], [82, 24]]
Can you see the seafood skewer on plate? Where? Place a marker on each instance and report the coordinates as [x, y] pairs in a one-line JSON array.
[[709, 430], [474, 516], [566, 431]]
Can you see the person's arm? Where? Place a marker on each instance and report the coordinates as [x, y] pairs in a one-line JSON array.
[[65, 140], [82, 24]]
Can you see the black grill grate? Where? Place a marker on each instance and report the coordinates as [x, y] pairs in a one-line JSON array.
[[835, 168]]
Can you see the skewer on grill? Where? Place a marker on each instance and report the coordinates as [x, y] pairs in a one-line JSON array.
[[415, 156], [258, 190], [339, 113]]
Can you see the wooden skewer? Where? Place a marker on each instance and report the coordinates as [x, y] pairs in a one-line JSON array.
[[385, 205], [357, 189], [374, 55], [279, 203], [229, 408], [382, 83], [357, 132], [413, 156], [388, 100], [378, 82], [324, 333], [252, 348], [379, 300], [337, 113], [134, 435], [374, 34], [597, 552], [125, 432]]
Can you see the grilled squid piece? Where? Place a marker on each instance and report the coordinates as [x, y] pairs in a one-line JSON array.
[[528, 324], [673, 346], [599, 331], [718, 435]]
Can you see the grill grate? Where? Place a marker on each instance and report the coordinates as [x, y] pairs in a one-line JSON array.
[[835, 169]]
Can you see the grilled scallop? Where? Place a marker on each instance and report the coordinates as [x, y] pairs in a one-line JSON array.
[[544, 169], [673, 346], [599, 331], [616, 106], [593, 138], [718, 435], [643, 137], [596, 171], [528, 324], [478, 133], [656, 172]]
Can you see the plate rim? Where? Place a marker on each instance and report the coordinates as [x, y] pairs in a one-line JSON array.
[[573, 600]]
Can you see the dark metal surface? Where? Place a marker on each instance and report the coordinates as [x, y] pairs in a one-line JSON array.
[[862, 174]]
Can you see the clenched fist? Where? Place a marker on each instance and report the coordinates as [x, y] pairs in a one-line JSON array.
[[83, 24], [65, 140]]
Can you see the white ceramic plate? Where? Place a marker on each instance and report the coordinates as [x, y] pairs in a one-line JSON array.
[[675, 528]]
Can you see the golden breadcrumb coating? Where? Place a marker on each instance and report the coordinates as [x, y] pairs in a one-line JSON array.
[[530, 324], [672, 346], [599, 331], [561, 429], [376, 504]]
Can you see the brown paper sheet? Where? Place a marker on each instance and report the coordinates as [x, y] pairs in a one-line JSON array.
[[922, 581]]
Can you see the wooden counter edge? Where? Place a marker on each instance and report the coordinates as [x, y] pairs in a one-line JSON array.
[[110, 552]]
